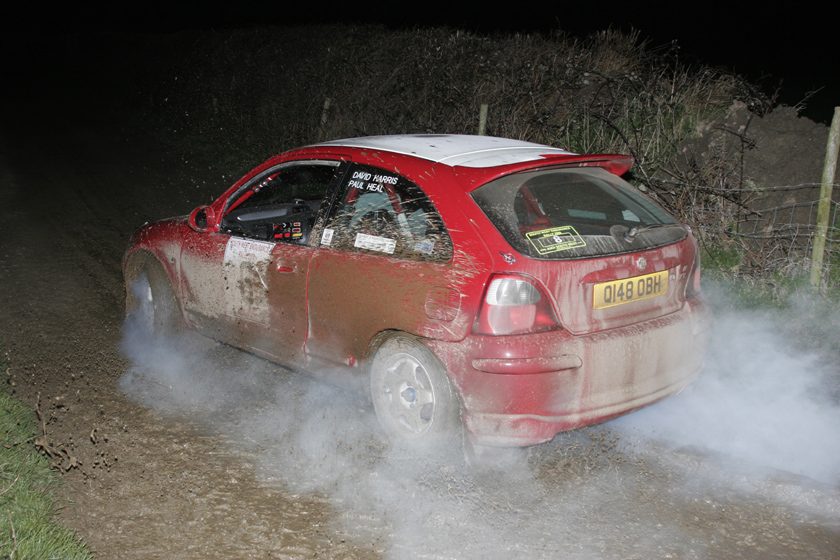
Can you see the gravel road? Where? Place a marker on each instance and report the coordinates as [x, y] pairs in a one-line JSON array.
[[191, 449]]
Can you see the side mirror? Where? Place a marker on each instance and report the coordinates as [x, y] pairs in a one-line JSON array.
[[202, 219]]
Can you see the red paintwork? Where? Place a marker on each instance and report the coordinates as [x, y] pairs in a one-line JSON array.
[[330, 307]]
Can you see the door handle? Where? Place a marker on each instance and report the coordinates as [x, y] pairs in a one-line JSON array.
[[284, 268]]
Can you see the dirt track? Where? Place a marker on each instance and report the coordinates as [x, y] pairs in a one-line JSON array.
[[218, 464]]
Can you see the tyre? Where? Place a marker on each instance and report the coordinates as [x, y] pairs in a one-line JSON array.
[[151, 305], [411, 392]]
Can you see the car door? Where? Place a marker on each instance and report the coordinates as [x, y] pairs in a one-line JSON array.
[[246, 283], [384, 263]]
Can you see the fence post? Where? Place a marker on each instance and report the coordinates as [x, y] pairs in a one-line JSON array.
[[824, 207], [482, 120], [323, 124]]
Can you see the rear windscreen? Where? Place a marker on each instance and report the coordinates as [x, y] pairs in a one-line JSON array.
[[573, 213]]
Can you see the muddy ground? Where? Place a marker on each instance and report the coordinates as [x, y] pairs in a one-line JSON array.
[[190, 449]]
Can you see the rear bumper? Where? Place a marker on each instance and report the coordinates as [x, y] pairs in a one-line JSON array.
[[512, 430], [524, 389]]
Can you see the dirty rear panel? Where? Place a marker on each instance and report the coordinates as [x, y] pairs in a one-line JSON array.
[[584, 380], [602, 293]]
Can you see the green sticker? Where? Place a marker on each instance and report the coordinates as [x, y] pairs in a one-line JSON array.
[[555, 239]]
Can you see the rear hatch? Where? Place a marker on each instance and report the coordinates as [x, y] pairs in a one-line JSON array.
[[608, 255]]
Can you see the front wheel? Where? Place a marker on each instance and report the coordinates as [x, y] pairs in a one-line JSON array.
[[412, 395], [151, 304]]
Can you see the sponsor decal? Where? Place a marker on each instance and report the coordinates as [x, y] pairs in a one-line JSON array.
[[553, 240], [375, 243], [425, 246], [246, 279], [327, 237], [239, 249]]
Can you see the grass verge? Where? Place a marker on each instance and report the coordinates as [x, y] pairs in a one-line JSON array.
[[27, 508]]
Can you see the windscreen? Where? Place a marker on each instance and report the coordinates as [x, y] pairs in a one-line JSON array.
[[574, 213]]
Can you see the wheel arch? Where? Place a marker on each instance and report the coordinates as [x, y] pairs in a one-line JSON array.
[[380, 338], [136, 259]]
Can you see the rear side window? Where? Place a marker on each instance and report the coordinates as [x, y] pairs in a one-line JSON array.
[[379, 211], [573, 213]]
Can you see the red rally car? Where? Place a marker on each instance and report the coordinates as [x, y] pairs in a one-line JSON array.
[[511, 289]]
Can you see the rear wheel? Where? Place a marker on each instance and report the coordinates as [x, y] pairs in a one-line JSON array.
[[412, 395], [151, 304]]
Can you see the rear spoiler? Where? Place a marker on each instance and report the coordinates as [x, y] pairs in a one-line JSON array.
[[474, 177]]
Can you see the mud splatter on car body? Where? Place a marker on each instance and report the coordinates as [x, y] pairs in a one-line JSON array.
[[545, 315]]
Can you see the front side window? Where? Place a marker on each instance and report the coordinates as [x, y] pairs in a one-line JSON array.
[[379, 211], [573, 213], [282, 203]]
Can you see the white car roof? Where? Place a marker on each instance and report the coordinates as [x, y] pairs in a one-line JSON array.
[[454, 149]]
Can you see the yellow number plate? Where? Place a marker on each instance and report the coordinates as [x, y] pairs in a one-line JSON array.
[[616, 292]]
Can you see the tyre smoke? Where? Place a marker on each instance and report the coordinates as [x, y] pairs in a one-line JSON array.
[[768, 401], [637, 487]]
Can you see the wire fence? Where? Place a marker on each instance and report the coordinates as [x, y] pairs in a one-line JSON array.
[[775, 227]]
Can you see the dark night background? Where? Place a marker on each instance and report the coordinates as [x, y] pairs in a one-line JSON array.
[[788, 49], [115, 115]]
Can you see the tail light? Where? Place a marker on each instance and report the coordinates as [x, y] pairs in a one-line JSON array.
[[692, 289], [514, 305]]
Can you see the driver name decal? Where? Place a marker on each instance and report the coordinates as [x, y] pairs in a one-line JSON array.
[[370, 182]]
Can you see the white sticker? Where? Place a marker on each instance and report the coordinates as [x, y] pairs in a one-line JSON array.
[[375, 243], [327, 237], [425, 246], [238, 248], [246, 279]]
